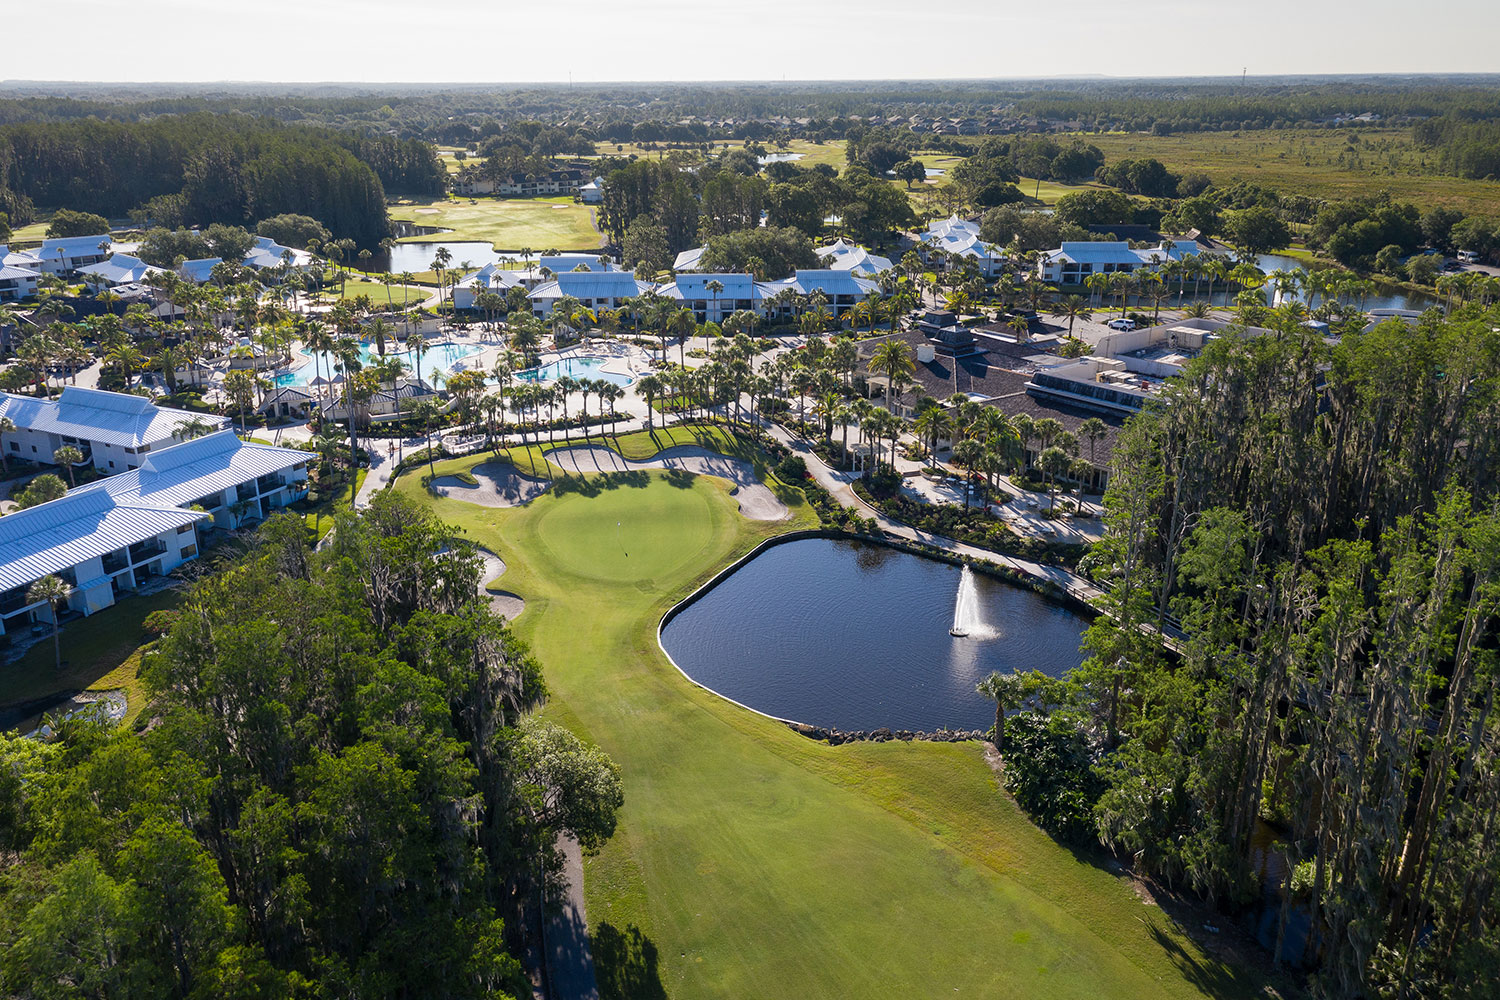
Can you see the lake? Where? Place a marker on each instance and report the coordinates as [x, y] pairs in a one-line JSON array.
[[854, 635]]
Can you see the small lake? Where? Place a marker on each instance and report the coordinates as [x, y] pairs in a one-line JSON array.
[[417, 257], [853, 635], [780, 158]]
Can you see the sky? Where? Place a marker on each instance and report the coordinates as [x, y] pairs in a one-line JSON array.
[[505, 41]]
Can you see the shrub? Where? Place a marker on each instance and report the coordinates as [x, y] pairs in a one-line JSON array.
[[1049, 770], [791, 469], [159, 623]]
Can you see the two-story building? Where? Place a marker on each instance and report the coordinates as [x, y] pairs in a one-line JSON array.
[[114, 536], [66, 255], [953, 239], [736, 292], [594, 289], [113, 430]]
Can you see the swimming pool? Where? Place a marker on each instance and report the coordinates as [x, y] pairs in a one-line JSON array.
[[442, 356], [590, 368]]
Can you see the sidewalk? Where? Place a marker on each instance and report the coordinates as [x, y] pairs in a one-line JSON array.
[[838, 486]]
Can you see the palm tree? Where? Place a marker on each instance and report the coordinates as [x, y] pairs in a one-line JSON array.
[[68, 456], [192, 427], [1071, 308], [1005, 689], [893, 360], [51, 590], [715, 288], [933, 424], [427, 411], [1092, 430], [649, 387]]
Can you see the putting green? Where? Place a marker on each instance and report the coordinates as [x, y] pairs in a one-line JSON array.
[[624, 534], [751, 862]]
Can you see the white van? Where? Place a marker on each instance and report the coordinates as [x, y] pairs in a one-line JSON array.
[[1468, 257]]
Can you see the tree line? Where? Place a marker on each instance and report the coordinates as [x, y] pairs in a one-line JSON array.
[[201, 169], [1318, 525], [342, 791]]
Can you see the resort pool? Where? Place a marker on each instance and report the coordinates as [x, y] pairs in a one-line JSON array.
[[442, 356], [590, 368], [857, 636]]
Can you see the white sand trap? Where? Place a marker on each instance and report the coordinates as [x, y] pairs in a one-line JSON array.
[[499, 485], [503, 601], [424, 211], [556, 207], [756, 501]]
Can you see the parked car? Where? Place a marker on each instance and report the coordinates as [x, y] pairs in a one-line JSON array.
[[1046, 529], [1121, 324]]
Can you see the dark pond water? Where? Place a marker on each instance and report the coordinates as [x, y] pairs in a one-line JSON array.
[[416, 257], [855, 636]]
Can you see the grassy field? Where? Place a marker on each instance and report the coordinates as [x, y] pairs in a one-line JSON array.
[[750, 861], [813, 153], [1324, 163], [399, 294], [100, 653], [506, 223], [32, 233]]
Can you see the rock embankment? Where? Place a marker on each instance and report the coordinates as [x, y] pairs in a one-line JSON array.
[[834, 737]]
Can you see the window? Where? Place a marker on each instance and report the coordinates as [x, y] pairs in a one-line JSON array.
[[184, 529], [189, 551], [15, 446], [111, 464]]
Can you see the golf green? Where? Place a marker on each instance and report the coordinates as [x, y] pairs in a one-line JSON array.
[[752, 862]]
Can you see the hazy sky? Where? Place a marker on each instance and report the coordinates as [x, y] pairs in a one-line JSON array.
[[507, 40]]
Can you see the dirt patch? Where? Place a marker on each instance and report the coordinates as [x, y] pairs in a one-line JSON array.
[[756, 501]]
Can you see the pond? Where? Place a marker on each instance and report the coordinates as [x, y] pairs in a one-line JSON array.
[[780, 158], [854, 635], [417, 257]]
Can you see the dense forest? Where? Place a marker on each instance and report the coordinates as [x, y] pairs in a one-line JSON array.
[[200, 169], [340, 791], [1322, 520]]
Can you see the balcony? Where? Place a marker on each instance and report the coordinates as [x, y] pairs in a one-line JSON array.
[[115, 561], [245, 492], [142, 551], [267, 484]]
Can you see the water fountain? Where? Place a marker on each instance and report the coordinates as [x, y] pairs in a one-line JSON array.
[[968, 612]]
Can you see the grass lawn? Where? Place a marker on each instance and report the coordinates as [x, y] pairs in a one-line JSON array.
[[1324, 163], [100, 653], [319, 517], [399, 294], [813, 153], [32, 233], [750, 861], [1047, 192], [509, 224]]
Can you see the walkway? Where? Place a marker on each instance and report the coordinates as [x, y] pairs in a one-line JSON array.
[[838, 486]]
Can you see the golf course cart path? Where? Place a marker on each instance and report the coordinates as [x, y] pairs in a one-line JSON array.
[[502, 601], [497, 484], [756, 500]]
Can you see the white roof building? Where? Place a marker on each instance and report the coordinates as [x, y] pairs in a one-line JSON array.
[[268, 253], [960, 237], [689, 260], [113, 535], [118, 269], [25, 259], [66, 254], [739, 291], [200, 270], [1072, 262], [596, 290], [592, 193], [17, 283], [850, 257], [113, 429], [843, 289]]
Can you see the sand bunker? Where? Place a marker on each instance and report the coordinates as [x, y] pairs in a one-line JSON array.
[[756, 501], [503, 601], [498, 484]]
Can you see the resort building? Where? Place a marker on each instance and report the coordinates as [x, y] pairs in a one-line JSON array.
[[268, 253], [594, 289], [843, 256], [114, 430], [842, 289], [959, 238], [503, 275], [26, 260], [114, 536], [66, 255], [17, 283], [689, 260], [740, 291], [118, 269], [1073, 262], [199, 271], [592, 193]]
